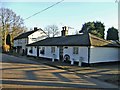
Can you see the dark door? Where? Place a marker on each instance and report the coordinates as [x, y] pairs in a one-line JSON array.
[[37, 51], [61, 53]]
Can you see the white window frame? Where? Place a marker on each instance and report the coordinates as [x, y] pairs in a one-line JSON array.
[[75, 50], [42, 50], [52, 49]]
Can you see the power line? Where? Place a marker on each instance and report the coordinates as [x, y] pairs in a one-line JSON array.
[[43, 10]]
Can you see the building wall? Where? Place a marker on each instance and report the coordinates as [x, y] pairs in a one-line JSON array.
[[15, 43], [47, 52], [20, 42], [83, 52], [20, 45], [36, 36], [34, 51], [103, 54]]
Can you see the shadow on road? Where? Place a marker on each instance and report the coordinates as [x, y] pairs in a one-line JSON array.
[[19, 71], [51, 84]]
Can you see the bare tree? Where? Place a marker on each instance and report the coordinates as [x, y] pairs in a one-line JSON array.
[[48, 31], [10, 23], [52, 30]]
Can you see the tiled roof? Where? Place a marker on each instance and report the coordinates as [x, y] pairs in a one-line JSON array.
[[71, 40], [74, 40], [96, 41], [24, 35]]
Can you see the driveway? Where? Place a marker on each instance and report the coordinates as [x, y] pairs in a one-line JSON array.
[[22, 73]]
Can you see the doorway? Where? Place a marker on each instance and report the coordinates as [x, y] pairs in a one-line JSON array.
[[37, 51], [61, 53]]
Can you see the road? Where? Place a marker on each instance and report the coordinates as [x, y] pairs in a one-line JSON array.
[[22, 73]]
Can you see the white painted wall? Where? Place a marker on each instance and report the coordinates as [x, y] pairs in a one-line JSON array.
[[15, 43], [103, 54], [34, 51], [83, 52], [20, 42], [48, 53], [39, 35], [24, 43]]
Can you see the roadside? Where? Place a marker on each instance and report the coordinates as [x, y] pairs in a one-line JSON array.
[[105, 72]]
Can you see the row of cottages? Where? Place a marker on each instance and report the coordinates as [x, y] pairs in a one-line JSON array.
[[85, 48], [29, 37]]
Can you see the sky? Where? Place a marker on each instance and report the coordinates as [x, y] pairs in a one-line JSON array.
[[70, 13]]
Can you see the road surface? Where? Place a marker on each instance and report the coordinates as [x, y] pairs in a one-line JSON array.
[[22, 73]]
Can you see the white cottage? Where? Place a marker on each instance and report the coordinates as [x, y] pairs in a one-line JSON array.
[[29, 37], [85, 48]]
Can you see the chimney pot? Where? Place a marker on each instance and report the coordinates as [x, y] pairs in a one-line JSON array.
[[63, 28], [64, 32], [35, 29]]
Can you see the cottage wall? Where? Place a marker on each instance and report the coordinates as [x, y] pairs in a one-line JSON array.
[[47, 52], [15, 43], [34, 51], [20, 42], [103, 54], [83, 52], [36, 36]]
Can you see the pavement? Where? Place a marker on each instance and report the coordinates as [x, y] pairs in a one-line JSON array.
[[91, 74], [107, 72]]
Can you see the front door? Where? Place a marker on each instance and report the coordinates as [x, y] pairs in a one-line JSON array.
[[37, 51], [61, 53]]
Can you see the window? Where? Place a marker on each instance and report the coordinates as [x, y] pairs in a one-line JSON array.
[[66, 47], [42, 51], [31, 50], [52, 49], [20, 41], [34, 39], [75, 50], [26, 40]]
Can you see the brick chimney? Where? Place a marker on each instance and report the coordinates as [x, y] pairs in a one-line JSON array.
[[64, 32], [35, 28]]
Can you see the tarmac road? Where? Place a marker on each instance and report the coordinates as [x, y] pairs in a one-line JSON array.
[[22, 73]]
